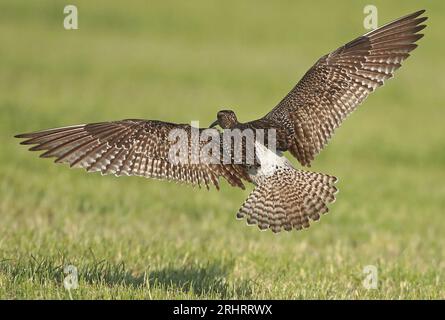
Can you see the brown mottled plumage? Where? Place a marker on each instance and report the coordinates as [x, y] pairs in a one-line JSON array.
[[304, 121], [289, 199], [129, 147], [340, 81]]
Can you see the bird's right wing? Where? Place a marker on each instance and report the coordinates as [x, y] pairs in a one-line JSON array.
[[133, 147], [340, 81]]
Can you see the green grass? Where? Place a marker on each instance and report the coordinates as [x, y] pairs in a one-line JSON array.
[[136, 238]]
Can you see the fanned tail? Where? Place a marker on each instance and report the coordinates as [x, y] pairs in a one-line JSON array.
[[289, 199]]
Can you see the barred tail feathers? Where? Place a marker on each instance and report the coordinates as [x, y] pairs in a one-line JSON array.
[[289, 199]]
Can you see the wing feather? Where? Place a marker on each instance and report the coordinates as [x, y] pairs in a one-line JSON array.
[[340, 81], [130, 147]]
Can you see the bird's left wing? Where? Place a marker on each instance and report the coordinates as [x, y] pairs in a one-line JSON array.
[[340, 81], [133, 147]]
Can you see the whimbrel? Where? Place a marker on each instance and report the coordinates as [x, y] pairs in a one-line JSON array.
[[284, 197]]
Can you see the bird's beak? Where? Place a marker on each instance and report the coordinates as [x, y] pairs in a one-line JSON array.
[[213, 124]]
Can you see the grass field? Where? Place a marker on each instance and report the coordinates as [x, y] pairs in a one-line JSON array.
[[135, 238]]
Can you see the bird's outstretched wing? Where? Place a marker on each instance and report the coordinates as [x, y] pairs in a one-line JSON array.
[[340, 81], [131, 147]]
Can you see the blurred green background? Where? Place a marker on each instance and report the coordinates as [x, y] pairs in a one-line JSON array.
[[184, 60]]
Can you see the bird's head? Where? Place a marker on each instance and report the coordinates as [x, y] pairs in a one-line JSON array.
[[226, 119]]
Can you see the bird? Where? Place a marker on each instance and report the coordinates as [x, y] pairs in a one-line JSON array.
[[283, 197]]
